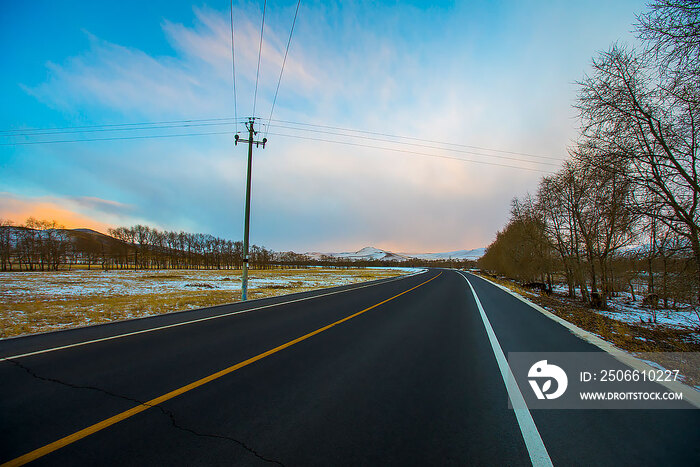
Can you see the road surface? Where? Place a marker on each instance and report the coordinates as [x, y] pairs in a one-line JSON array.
[[395, 372]]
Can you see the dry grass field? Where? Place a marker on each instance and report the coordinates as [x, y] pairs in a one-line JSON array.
[[33, 302]]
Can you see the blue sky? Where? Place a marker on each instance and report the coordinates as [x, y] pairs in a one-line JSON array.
[[490, 74]]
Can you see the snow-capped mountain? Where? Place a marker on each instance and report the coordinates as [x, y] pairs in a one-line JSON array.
[[365, 254], [474, 254], [372, 253]]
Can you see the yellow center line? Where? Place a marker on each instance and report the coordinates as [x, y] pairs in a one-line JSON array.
[[78, 435]]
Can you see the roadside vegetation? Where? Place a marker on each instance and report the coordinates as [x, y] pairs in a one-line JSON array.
[[612, 240]]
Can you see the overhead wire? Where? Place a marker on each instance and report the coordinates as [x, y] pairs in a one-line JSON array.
[[151, 127], [348, 143], [416, 145], [417, 139], [229, 120], [411, 152], [284, 61], [116, 138], [190, 125], [233, 70], [257, 73], [88, 128]]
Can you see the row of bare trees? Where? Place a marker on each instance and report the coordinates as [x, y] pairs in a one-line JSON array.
[[147, 247], [44, 245], [630, 195], [290, 259], [38, 245]]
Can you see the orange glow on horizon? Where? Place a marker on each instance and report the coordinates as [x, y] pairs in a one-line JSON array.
[[18, 211]]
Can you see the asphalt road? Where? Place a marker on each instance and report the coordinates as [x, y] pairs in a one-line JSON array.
[[397, 372]]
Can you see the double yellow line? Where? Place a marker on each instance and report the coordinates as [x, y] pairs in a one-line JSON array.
[[78, 435]]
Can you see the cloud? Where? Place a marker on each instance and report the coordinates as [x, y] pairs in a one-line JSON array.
[[187, 85], [427, 79], [121, 79], [102, 205], [65, 212]]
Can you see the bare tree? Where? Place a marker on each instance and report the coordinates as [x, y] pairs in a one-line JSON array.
[[654, 133], [141, 233], [671, 33], [7, 240], [561, 200], [54, 243], [605, 213]]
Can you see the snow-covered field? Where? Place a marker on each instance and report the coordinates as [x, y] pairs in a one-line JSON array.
[[42, 301], [623, 308], [80, 283]]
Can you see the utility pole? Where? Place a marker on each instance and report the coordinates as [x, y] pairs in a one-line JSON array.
[[250, 141]]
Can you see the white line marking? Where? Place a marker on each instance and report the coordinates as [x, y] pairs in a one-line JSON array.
[[533, 441], [198, 320]]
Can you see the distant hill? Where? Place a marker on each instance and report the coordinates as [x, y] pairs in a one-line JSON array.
[[72, 235], [369, 253], [89, 231], [93, 235], [474, 254]]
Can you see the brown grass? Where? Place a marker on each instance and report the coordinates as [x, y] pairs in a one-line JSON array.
[[36, 311]]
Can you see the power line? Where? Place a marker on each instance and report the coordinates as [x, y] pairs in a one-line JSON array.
[[411, 152], [274, 101], [222, 121], [267, 131], [89, 128], [417, 139], [233, 70], [418, 145], [152, 127], [257, 73], [118, 138]]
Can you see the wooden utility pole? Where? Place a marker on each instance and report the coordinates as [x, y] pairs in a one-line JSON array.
[[250, 141]]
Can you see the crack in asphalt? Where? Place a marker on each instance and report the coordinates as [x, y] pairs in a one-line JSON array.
[[163, 410]]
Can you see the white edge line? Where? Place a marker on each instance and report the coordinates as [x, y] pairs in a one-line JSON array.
[[690, 395], [199, 320], [533, 441]]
